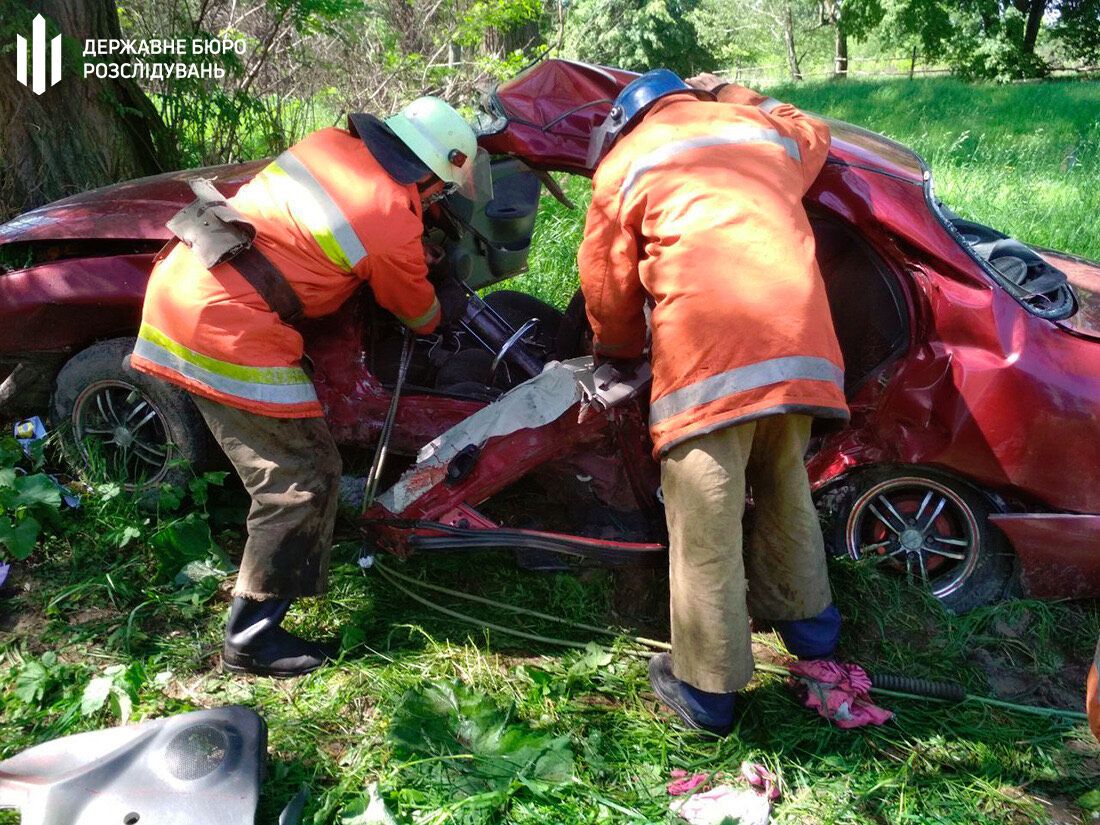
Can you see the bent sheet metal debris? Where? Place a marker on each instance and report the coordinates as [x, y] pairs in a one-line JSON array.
[[534, 403]]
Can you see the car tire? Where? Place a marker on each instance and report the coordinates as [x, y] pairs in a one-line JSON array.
[[120, 424], [925, 524]]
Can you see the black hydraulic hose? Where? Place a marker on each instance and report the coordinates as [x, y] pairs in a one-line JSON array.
[[947, 691], [370, 489]]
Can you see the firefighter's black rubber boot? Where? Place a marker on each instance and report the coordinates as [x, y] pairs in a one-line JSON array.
[[255, 642]]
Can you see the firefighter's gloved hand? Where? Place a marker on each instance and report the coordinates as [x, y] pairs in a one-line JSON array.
[[706, 81], [453, 298]]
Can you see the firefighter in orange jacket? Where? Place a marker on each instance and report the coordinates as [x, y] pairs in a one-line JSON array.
[[336, 210], [697, 212]]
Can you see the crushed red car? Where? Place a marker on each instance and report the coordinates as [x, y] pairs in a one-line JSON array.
[[971, 462]]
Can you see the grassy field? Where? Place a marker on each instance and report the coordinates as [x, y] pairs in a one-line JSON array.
[[99, 626]]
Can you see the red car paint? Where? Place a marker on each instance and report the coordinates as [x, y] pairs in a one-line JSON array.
[[1062, 561], [985, 390]]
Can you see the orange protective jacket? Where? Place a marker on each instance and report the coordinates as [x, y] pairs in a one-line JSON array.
[[329, 217], [698, 212]]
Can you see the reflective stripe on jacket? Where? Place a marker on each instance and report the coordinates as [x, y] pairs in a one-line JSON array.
[[698, 211], [328, 217]]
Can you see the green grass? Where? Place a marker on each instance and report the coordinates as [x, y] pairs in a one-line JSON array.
[[91, 599], [1024, 158], [87, 605]]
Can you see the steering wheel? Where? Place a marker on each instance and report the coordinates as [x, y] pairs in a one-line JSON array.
[[508, 345]]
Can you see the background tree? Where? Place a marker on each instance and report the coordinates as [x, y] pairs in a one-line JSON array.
[[638, 34], [762, 31], [849, 18], [83, 132], [986, 38], [1078, 29]]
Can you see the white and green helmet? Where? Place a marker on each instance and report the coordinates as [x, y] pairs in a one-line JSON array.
[[443, 140]]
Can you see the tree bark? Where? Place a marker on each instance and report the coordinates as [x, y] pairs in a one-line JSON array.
[[788, 39], [81, 133], [840, 60], [1036, 9]]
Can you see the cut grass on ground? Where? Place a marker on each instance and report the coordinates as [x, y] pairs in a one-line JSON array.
[[86, 608]]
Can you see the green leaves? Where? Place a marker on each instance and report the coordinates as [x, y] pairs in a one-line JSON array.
[[37, 491], [588, 663], [181, 541], [19, 537], [1090, 801], [117, 690], [26, 501], [449, 731], [370, 809], [34, 679], [638, 34]]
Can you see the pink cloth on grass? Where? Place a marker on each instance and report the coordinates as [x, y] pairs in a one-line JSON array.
[[682, 783], [838, 692], [761, 779]]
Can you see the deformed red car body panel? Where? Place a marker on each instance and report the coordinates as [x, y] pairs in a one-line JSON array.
[[983, 389], [136, 209], [987, 389], [1060, 558]]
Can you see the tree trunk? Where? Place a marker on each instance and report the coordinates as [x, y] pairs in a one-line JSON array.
[[523, 37], [81, 133], [840, 60], [788, 39], [1034, 21]]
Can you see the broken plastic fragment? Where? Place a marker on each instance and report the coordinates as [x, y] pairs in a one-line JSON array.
[[28, 431], [723, 804], [292, 813]]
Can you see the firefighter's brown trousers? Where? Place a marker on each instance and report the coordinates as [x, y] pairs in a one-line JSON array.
[[291, 468], [718, 581]]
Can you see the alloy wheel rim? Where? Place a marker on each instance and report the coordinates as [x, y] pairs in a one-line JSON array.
[[117, 424], [917, 527]]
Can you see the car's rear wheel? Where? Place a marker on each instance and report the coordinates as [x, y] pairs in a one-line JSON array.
[[122, 425], [929, 527]]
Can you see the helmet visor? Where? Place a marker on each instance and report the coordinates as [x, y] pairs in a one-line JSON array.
[[474, 177]]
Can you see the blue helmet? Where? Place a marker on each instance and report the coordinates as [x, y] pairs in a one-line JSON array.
[[632, 103]]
